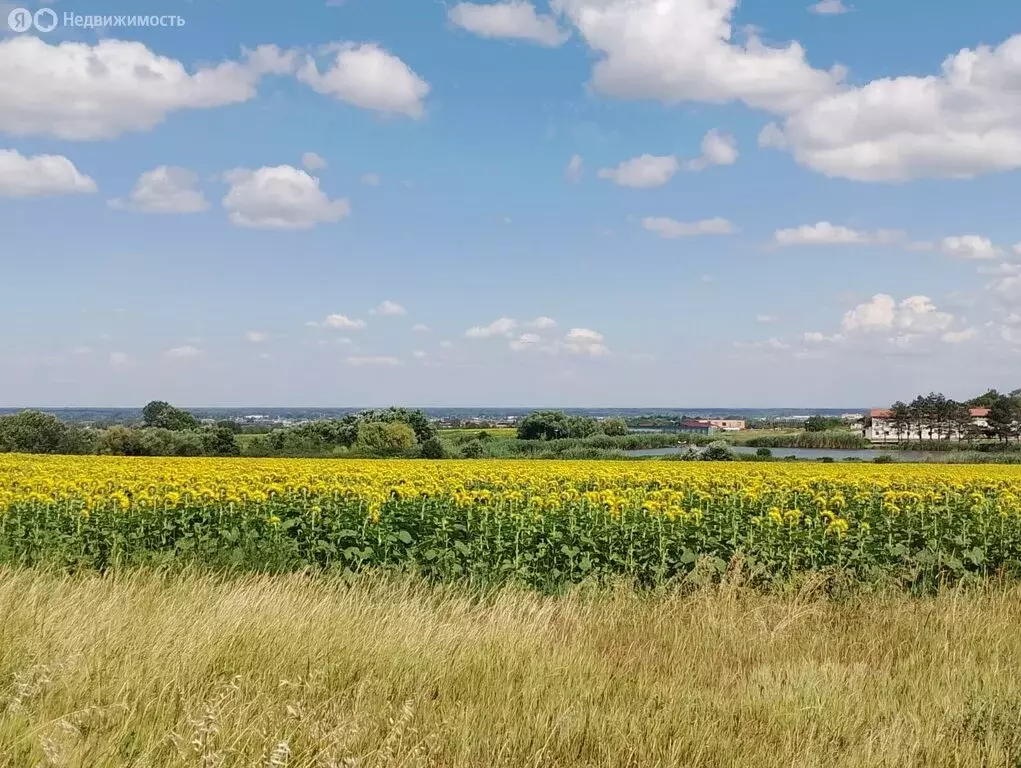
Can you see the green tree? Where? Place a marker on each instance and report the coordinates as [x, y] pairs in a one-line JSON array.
[[614, 427], [121, 441], [717, 451], [473, 449], [544, 425], [900, 418], [163, 415], [386, 438], [822, 423], [433, 449], [1002, 419], [417, 420], [986, 400], [960, 421], [36, 432], [220, 441]]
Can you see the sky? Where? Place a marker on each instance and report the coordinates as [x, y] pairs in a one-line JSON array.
[[563, 203]]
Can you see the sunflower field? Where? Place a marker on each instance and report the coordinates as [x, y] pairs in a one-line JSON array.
[[545, 524]]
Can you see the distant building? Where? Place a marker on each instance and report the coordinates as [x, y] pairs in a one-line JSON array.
[[728, 425], [880, 429], [696, 426]]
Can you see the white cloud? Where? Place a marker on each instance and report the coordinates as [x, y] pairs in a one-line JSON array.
[[342, 322], [368, 77], [717, 149], [82, 351], [445, 344], [766, 318], [119, 359], [381, 360], [166, 189], [584, 341], [829, 7], [541, 323], [502, 327], [389, 308], [40, 175], [683, 50], [371, 179], [312, 162], [667, 227], [969, 247], [514, 19], [573, 171], [642, 172], [958, 337], [76, 91], [420, 328], [825, 233], [183, 353], [915, 314], [256, 337], [525, 341], [960, 123], [280, 197], [419, 354]]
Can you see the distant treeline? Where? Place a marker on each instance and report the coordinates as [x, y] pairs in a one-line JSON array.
[[936, 417]]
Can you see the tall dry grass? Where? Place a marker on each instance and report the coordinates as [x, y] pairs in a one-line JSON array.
[[142, 670]]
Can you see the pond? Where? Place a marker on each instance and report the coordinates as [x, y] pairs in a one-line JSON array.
[[813, 454]]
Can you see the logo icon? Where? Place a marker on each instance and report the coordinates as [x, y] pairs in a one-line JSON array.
[[45, 19], [20, 20]]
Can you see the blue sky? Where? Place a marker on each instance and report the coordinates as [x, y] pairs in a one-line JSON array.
[[587, 203]]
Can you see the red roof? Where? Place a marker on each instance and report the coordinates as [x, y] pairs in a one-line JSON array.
[[880, 413], [979, 413]]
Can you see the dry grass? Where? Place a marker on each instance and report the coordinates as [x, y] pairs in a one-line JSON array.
[[144, 670]]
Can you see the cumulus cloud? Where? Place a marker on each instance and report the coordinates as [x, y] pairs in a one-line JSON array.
[[915, 315], [256, 337], [312, 162], [76, 91], [503, 327], [642, 172], [685, 50], [541, 323], [379, 360], [959, 337], [369, 77], [525, 341], [280, 197], [969, 247], [119, 359], [40, 175], [717, 149], [766, 318], [420, 328], [959, 123], [342, 322], [515, 19], [584, 341], [389, 308], [166, 189], [573, 171], [829, 7], [825, 233], [670, 228]]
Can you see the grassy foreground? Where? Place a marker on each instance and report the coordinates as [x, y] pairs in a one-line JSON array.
[[146, 670]]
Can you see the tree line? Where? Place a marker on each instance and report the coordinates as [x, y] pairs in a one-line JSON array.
[[936, 417]]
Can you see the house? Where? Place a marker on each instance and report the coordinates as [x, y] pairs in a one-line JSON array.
[[728, 425], [879, 428], [696, 426]]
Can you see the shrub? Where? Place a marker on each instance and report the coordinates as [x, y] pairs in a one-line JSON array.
[[433, 449], [384, 438], [718, 451], [765, 453]]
